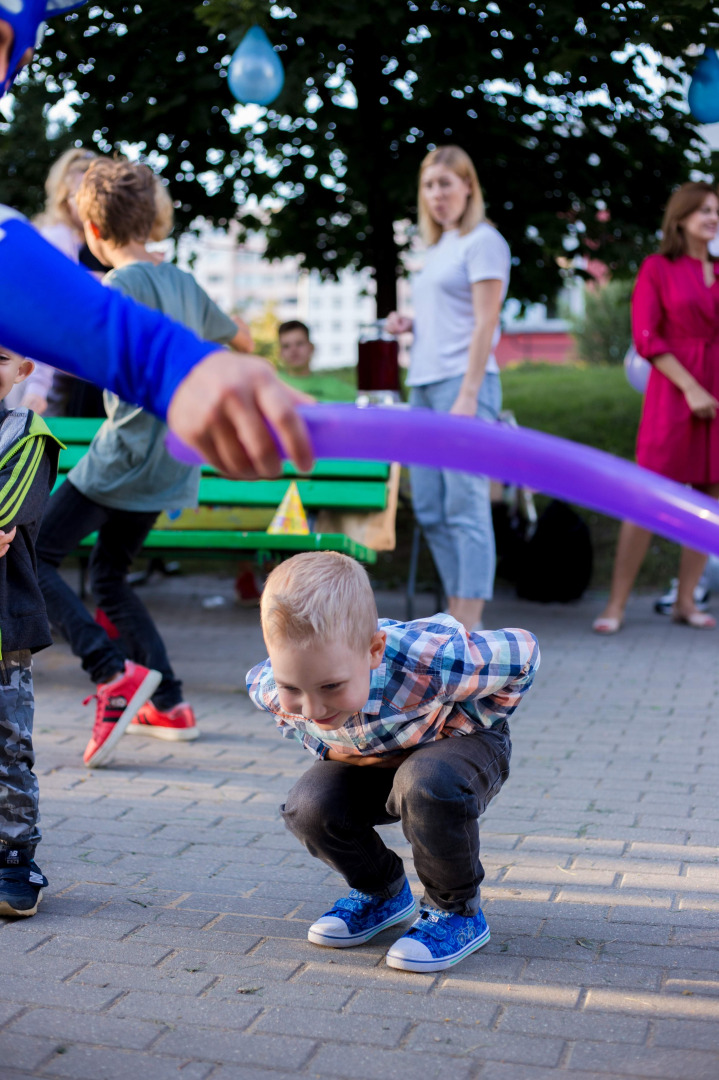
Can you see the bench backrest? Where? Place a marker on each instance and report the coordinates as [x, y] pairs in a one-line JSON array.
[[332, 484]]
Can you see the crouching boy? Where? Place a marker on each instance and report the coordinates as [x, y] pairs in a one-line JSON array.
[[409, 723]]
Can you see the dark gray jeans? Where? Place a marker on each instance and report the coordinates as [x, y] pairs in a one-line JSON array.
[[437, 793]]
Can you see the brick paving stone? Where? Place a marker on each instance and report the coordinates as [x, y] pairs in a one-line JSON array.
[[90, 1063], [649, 1061], [317, 1023], [573, 1024], [205, 1044], [416, 1006], [67, 1027], [172, 939], [458, 1038], [354, 1063]]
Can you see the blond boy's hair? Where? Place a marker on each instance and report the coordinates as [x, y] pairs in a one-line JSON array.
[[120, 199], [319, 596]]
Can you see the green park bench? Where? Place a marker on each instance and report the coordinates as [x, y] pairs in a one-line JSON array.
[[351, 506]]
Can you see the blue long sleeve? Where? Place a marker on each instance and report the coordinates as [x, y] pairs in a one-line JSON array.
[[57, 312]]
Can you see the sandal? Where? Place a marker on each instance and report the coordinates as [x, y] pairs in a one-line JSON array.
[[699, 620], [605, 624]]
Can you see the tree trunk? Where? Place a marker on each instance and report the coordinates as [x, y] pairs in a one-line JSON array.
[[375, 160]]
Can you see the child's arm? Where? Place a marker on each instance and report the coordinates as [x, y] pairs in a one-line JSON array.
[[487, 673], [6, 538], [219, 403]]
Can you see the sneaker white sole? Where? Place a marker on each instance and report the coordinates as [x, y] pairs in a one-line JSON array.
[[366, 935], [8, 909], [169, 734], [144, 692], [439, 964]]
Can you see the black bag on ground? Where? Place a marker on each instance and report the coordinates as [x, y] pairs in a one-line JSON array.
[[556, 564]]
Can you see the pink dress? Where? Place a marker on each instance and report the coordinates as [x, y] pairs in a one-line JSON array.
[[674, 311]]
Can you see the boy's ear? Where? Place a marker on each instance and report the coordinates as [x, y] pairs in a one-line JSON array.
[[94, 229], [376, 649], [26, 368]]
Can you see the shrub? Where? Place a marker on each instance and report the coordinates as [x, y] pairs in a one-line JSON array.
[[604, 334]]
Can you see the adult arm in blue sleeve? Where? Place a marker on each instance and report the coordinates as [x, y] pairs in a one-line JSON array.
[[56, 312], [224, 405]]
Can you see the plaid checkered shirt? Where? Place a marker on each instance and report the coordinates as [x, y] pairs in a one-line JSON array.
[[435, 680]]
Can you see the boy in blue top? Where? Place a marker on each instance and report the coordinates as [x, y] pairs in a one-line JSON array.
[[28, 465], [409, 722], [124, 481]]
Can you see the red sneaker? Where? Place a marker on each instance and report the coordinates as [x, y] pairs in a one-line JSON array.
[[176, 725], [117, 703]]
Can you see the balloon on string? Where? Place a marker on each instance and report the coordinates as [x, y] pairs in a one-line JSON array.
[[255, 75], [558, 467], [703, 95], [636, 369]]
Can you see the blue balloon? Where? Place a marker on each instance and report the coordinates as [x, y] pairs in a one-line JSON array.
[[255, 75], [703, 96]]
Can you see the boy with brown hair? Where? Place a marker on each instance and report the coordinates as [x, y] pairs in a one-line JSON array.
[[424, 706], [124, 481]]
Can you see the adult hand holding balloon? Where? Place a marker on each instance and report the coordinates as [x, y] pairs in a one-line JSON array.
[[564, 469], [255, 75]]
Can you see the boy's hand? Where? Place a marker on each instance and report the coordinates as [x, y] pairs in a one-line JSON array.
[[6, 538], [381, 761], [222, 408]]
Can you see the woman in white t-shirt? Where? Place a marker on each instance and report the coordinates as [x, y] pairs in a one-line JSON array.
[[457, 299]]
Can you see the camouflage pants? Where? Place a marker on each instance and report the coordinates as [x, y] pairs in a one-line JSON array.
[[19, 814]]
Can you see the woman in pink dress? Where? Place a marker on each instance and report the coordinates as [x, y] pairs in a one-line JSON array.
[[675, 324]]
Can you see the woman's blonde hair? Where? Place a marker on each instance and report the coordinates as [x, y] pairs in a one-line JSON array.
[[459, 161], [684, 201], [56, 211], [319, 596]]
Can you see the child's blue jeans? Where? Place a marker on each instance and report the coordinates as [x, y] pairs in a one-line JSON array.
[[438, 793]]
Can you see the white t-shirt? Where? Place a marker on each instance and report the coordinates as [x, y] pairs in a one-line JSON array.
[[444, 319]]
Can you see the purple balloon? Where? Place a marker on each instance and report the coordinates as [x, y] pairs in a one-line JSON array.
[[558, 467]]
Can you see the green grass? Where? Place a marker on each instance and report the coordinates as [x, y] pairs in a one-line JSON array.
[[596, 406]]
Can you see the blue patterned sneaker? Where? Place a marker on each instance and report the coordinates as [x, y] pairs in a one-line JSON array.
[[438, 939], [358, 917]]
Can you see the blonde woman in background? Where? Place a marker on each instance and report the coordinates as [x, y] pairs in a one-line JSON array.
[[59, 224], [457, 300]]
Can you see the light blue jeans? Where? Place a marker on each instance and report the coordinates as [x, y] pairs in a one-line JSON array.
[[454, 508]]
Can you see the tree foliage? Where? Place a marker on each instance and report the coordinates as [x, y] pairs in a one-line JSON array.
[[558, 110]]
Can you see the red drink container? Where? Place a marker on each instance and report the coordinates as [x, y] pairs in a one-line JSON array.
[[377, 360]]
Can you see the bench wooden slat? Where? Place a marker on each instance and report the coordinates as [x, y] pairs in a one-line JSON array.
[[232, 542], [369, 495], [325, 469]]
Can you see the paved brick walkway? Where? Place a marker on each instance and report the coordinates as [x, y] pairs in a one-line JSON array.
[[172, 941]]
